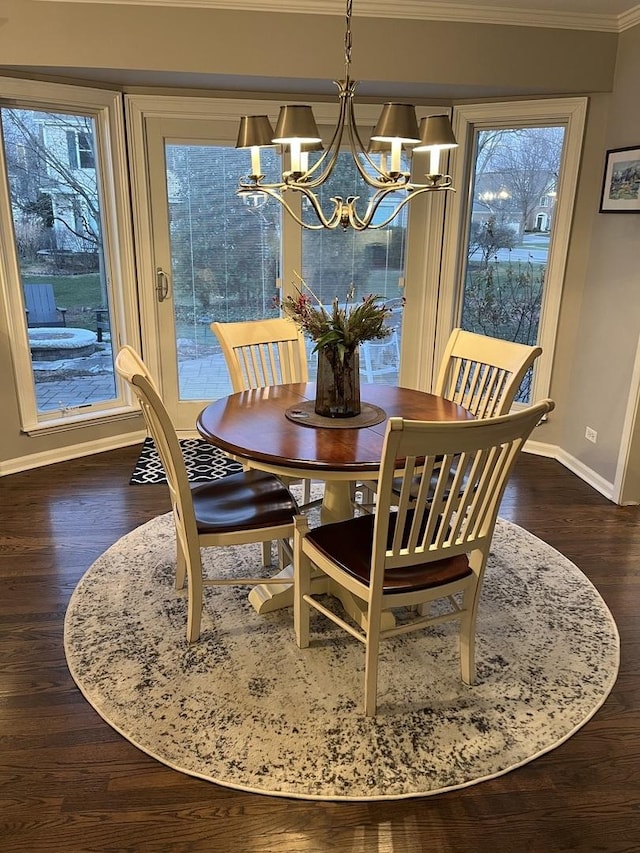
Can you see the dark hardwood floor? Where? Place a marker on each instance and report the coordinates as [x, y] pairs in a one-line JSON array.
[[71, 783]]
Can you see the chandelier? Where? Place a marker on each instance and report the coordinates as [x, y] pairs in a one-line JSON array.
[[297, 132]]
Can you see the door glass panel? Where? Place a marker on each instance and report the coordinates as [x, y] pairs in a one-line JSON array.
[[224, 257], [372, 261], [515, 185], [55, 206]]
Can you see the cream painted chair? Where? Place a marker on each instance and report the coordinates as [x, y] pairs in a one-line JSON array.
[[481, 374], [421, 547], [260, 353], [251, 506]]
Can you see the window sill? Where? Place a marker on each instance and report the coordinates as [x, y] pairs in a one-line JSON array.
[[77, 421]]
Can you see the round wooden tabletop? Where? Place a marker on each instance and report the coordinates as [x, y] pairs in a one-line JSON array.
[[252, 425]]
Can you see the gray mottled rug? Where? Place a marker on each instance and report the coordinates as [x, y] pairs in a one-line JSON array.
[[247, 709]]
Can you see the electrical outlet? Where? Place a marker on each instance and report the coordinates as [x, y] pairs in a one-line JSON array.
[[591, 435]]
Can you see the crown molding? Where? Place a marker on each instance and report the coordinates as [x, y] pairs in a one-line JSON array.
[[432, 10], [628, 19]]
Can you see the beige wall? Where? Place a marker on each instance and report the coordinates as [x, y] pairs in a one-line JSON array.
[[605, 256], [600, 315], [303, 46]]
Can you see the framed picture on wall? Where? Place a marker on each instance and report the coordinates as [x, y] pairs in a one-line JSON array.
[[621, 184]]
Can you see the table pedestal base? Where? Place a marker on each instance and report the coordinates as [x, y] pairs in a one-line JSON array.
[[266, 598]]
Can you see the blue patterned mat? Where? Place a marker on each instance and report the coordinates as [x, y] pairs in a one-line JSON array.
[[204, 462]]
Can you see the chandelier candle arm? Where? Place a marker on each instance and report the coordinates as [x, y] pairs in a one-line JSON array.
[[297, 131]]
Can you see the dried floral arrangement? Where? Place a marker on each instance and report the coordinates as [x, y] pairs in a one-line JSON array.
[[340, 325]]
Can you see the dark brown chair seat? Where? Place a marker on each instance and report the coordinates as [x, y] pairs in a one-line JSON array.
[[244, 501], [348, 544]]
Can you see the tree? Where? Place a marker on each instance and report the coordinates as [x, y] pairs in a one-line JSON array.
[[38, 156], [53, 181], [527, 161], [488, 237]]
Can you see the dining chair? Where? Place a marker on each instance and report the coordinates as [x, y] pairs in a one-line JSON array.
[[480, 373], [421, 548], [260, 353], [483, 374], [242, 508]]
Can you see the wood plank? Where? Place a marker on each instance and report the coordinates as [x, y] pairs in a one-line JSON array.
[[71, 783]]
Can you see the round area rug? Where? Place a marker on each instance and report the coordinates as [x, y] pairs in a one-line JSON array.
[[245, 708]]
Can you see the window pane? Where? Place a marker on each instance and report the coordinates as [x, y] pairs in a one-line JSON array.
[[514, 196], [224, 252], [372, 261], [55, 204]]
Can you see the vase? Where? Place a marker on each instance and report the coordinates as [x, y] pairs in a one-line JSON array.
[[338, 383]]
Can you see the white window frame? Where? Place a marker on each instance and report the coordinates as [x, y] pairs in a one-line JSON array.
[[568, 112], [105, 108]]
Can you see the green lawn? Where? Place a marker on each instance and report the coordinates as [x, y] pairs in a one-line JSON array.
[[71, 291]]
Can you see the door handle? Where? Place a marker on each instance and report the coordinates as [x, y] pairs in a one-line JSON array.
[[162, 284]]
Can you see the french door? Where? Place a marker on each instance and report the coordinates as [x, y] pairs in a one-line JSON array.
[[215, 256], [207, 255]]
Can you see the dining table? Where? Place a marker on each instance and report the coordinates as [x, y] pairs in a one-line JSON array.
[[275, 429]]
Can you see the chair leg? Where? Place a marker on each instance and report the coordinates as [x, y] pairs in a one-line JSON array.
[[301, 584], [266, 554], [306, 491], [367, 498], [468, 640], [372, 648], [181, 564], [194, 593]]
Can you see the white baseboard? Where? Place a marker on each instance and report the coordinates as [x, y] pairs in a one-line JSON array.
[[64, 454], [552, 451]]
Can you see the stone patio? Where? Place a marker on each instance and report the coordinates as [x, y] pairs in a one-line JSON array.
[[83, 380]]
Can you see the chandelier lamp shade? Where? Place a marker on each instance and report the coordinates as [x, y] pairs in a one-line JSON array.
[[379, 163]]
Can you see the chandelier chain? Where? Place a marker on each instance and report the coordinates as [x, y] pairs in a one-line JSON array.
[[347, 39]]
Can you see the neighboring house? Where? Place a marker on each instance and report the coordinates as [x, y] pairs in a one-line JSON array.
[[494, 196], [70, 182], [54, 180]]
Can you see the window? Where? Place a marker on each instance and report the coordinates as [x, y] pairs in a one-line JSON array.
[[70, 255], [507, 255], [85, 150], [225, 253], [504, 259]]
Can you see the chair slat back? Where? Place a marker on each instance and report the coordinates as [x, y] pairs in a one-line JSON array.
[[461, 469], [483, 374], [131, 368], [260, 353]]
